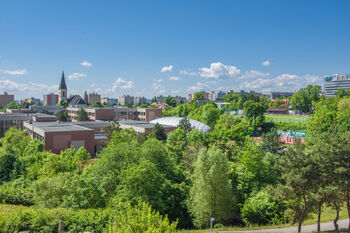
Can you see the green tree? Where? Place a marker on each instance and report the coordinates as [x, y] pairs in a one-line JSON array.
[[304, 99], [12, 105], [211, 193], [63, 103], [98, 104], [62, 115], [86, 98], [82, 115], [254, 113], [114, 127], [154, 99], [185, 124], [171, 101], [158, 132], [198, 96]]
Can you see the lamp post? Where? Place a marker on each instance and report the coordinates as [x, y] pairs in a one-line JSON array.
[[211, 224]]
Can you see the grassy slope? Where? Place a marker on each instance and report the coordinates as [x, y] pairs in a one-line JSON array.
[[327, 215]]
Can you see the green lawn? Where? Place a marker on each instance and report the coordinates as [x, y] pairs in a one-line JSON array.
[[286, 119], [327, 215]]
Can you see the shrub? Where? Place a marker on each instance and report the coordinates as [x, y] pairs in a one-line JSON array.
[[262, 208], [16, 193]]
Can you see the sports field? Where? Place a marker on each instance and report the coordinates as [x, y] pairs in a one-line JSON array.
[[286, 119]]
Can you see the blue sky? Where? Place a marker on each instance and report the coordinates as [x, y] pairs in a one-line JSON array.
[[122, 47]]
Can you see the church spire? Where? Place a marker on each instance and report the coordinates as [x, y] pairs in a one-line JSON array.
[[62, 83]]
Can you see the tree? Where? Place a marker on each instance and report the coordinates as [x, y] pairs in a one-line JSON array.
[[298, 174], [185, 124], [114, 127], [63, 103], [62, 115], [171, 101], [254, 112], [154, 99], [86, 98], [158, 132], [211, 193], [98, 104], [199, 96], [82, 115], [304, 99], [12, 105]]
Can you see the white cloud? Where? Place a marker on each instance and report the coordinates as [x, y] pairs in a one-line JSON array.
[[76, 76], [253, 74], [284, 82], [198, 87], [15, 72], [266, 63], [189, 73], [122, 84], [167, 68], [217, 70], [85, 63], [22, 90], [175, 92], [174, 78]]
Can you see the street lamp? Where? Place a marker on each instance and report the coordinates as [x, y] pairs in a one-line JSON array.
[[211, 224]]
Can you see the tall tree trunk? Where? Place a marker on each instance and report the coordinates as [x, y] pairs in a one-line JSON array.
[[336, 227], [348, 205], [319, 217], [303, 215]]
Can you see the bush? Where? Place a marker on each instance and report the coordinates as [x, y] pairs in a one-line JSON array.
[[16, 193], [262, 208]]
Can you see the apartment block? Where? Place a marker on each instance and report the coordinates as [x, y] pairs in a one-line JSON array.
[[30, 100], [178, 99], [50, 99], [6, 99], [126, 99], [93, 98], [140, 100], [333, 83], [94, 114], [138, 114], [109, 101]]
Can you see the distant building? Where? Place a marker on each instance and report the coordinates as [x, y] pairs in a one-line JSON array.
[[275, 95], [30, 100], [178, 99], [6, 99], [333, 83], [62, 89], [126, 99], [138, 114], [106, 114], [205, 94], [109, 101], [76, 101], [140, 100], [50, 99], [93, 98], [49, 108]]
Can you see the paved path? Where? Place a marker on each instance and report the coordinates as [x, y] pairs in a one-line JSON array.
[[329, 226]]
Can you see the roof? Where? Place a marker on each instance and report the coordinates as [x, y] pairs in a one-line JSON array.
[[141, 124], [57, 127], [75, 100], [62, 83], [174, 121]]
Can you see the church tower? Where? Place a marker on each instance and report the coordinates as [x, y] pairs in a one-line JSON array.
[[62, 89]]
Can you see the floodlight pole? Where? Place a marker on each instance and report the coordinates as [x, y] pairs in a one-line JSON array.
[[211, 224]]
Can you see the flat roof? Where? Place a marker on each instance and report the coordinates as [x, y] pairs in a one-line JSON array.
[[141, 124], [56, 127]]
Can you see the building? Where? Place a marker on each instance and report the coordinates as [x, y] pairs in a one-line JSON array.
[[175, 121], [140, 100], [275, 95], [109, 101], [126, 99], [30, 100], [50, 99], [178, 99], [16, 120], [76, 101], [5, 99], [205, 95], [143, 127], [106, 114], [62, 89], [333, 83], [20, 111], [48, 109], [138, 114], [93, 98], [58, 136]]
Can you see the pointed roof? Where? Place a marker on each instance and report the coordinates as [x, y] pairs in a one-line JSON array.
[[62, 83]]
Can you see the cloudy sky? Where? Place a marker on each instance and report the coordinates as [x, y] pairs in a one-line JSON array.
[[146, 48]]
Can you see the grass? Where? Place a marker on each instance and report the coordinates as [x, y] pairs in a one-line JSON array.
[[327, 215], [286, 119]]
